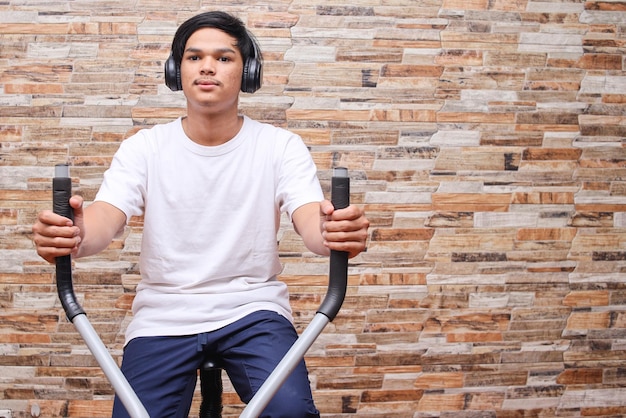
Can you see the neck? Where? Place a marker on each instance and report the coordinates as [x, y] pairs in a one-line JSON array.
[[212, 130]]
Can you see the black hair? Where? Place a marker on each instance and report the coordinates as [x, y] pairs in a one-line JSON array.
[[223, 21]]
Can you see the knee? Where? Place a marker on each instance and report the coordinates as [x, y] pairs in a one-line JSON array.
[[290, 404]]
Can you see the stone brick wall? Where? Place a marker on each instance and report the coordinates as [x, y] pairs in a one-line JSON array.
[[485, 138]]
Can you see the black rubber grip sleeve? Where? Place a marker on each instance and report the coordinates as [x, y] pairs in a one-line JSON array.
[[338, 273], [61, 193]]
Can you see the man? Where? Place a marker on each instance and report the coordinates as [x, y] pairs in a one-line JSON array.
[[211, 187]]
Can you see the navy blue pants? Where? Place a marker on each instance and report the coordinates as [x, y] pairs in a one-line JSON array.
[[163, 370]]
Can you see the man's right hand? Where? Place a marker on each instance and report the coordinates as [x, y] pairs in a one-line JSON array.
[[55, 235]]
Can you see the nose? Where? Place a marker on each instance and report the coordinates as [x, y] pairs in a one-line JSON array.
[[208, 66]]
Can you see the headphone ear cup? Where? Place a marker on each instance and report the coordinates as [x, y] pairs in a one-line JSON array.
[[252, 76], [172, 74]]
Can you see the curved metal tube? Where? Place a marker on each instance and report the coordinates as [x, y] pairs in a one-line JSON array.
[[61, 193], [338, 281]]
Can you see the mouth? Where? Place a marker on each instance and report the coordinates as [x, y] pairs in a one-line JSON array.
[[207, 82]]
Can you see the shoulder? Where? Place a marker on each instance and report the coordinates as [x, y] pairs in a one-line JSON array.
[[267, 130], [157, 131], [154, 136], [273, 137]]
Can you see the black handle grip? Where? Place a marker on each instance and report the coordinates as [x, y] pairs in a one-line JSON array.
[[61, 193], [338, 273]]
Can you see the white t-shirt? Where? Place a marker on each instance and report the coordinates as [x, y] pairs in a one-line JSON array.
[[209, 248]]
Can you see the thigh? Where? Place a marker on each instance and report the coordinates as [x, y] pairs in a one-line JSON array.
[[163, 373], [253, 348]]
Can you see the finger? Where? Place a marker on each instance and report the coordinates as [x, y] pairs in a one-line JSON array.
[[349, 213], [359, 237], [358, 225], [338, 226], [48, 233], [45, 242], [326, 208], [351, 247], [50, 254], [47, 217], [76, 202]]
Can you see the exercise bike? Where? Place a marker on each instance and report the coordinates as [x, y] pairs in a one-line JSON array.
[[210, 372]]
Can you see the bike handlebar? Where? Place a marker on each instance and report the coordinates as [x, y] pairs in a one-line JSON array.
[[61, 193], [338, 273]]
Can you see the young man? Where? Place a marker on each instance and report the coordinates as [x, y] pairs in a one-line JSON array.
[[211, 187]]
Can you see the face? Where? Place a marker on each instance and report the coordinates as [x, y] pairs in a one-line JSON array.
[[211, 69]]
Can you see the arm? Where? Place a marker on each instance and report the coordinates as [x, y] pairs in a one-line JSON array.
[[323, 229], [91, 232]]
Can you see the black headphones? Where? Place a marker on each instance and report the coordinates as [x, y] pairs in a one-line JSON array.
[[251, 77]]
